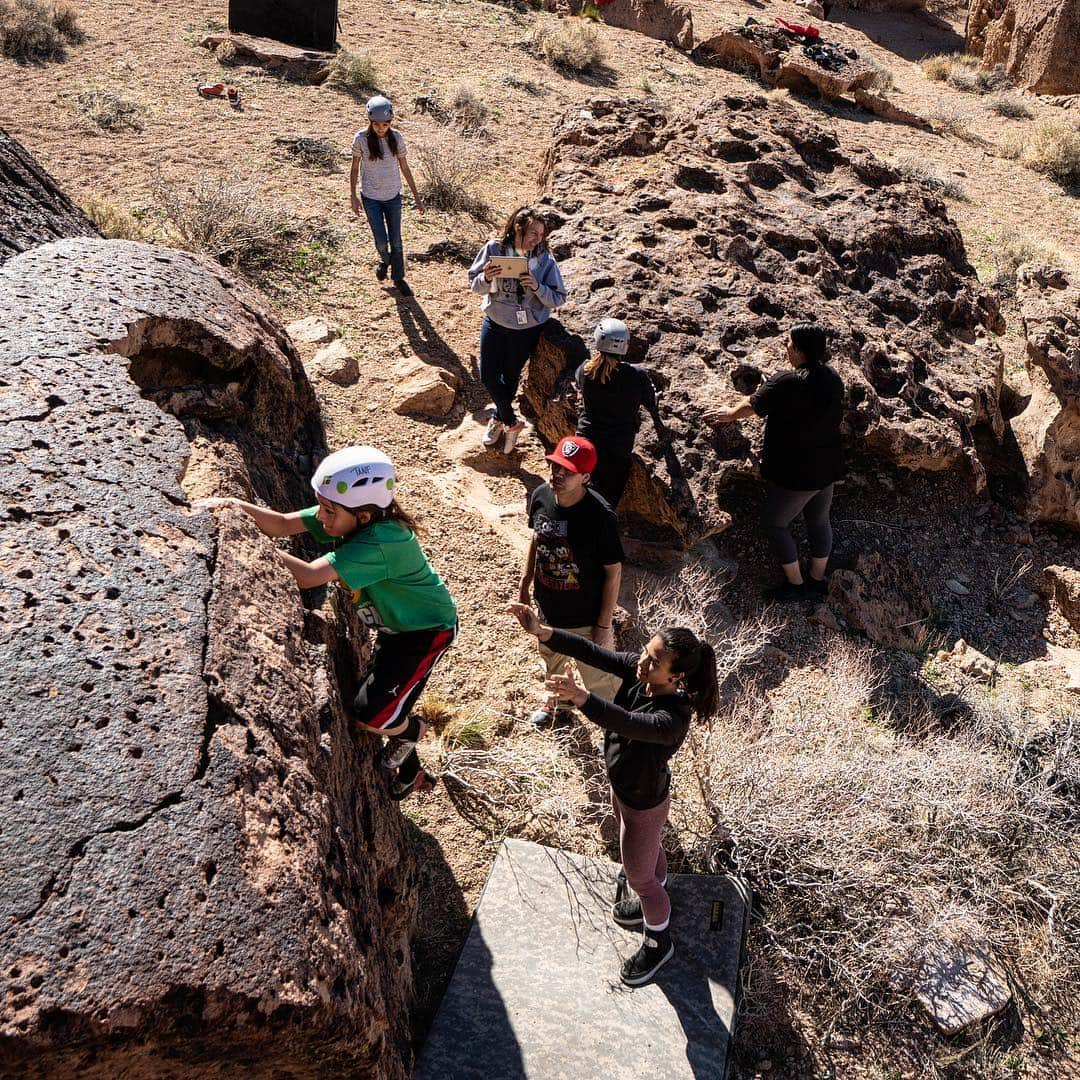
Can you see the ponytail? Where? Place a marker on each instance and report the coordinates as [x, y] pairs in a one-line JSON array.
[[394, 512], [695, 660], [601, 366]]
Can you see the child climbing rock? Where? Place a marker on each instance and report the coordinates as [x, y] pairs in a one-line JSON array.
[[375, 556], [672, 679], [379, 161], [515, 309], [613, 394]]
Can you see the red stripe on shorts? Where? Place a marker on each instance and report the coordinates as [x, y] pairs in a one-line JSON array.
[[391, 710]]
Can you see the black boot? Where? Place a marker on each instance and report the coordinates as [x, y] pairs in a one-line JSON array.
[[656, 950], [626, 911]]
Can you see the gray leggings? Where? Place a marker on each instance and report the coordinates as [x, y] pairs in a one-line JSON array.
[[783, 506]]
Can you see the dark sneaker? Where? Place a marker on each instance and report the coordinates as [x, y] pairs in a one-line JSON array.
[[622, 887], [422, 781], [544, 718], [816, 588], [786, 593], [627, 912], [403, 287], [656, 950], [395, 752], [382, 270]]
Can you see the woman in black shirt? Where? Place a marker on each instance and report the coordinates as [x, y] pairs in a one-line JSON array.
[[802, 455], [612, 396], [672, 678]]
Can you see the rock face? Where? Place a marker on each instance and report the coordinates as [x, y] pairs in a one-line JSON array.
[[1036, 41], [881, 598], [742, 221], [1062, 585], [33, 210], [667, 20], [286, 61], [1048, 431], [200, 870]]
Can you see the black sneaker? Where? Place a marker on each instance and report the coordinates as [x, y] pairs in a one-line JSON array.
[[395, 752], [786, 593], [382, 270], [656, 950], [545, 718], [403, 287], [816, 588], [627, 912]]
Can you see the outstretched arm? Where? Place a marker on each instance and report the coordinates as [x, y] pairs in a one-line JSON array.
[[269, 522], [726, 414]]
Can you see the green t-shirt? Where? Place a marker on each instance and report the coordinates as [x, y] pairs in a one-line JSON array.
[[392, 584]]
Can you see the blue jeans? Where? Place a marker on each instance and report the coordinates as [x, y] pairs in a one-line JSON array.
[[385, 221], [503, 354]]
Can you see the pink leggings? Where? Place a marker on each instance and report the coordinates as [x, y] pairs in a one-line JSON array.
[[643, 859]]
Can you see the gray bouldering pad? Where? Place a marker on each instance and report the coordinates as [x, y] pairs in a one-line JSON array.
[[536, 991]]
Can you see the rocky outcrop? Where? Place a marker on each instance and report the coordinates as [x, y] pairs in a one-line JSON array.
[[1036, 41], [200, 866], [779, 60], [666, 20], [33, 210], [881, 598], [744, 220], [1062, 586], [1048, 430], [285, 61]]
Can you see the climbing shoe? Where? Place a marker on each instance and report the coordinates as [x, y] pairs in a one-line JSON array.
[[627, 912], [422, 781], [495, 431], [656, 950], [786, 593], [395, 752], [816, 588]]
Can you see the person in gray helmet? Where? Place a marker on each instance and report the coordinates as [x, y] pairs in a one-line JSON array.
[[613, 393], [379, 161]]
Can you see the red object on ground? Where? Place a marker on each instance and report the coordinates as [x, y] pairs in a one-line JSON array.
[[217, 90], [794, 28]]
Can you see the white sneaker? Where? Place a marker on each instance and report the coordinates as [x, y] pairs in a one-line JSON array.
[[512, 434], [494, 433]]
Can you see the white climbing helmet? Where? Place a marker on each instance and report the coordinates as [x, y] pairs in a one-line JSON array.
[[612, 336], [379, 108], [356, 476]]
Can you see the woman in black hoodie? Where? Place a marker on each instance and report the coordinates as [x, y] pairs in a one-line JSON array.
[[673, 678]]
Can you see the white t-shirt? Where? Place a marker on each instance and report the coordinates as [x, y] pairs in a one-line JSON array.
[[380, 178]]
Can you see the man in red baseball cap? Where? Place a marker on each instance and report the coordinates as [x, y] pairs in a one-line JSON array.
[[574, 565]]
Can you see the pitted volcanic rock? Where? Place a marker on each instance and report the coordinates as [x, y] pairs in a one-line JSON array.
[[713, 234], [1037, 41], [666, 20], [33, 210], [1048, 431], [201, 872]]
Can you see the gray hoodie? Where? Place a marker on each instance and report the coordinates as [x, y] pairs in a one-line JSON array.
[[501, 294]]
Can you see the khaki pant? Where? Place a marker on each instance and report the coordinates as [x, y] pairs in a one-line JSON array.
[[597, 682]]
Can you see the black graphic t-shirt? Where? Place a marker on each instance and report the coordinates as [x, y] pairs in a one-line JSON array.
[[573, 545]]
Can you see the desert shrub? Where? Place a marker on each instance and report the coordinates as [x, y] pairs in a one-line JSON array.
[[938, 67], [534, 89], [572, 47], [1012, 145], [964, 72], [914, 168], [1011, 249], [450, 170], [1054, 151], [469, 111], [116, 223], [1011, 106], [869, 847], [883, 78], [953, 122], [309, 153], [32, 31], [110, 112], [227, 219], [353, 73]]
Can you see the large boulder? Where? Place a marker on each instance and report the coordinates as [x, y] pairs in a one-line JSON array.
[[1036, 41], [666, 20], [711, 234], [33, 210], [201, 874], [1048, 430]]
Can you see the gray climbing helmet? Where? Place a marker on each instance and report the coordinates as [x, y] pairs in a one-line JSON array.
[[379, 108], [612, 336]]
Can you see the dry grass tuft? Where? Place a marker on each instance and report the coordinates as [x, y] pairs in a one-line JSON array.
[[1011, 106], [1009, 250], [573, 47], [951, 121], [320, 154], [115, 223], [110, 112], [225, 218], [33, 32], [469, 111], [865, 844], [1054, 151], [449, 172], [883, 80], [353, 73], [913, 168], [964, 72]]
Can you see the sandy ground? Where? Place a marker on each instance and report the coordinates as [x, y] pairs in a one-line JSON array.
[[471, 504]]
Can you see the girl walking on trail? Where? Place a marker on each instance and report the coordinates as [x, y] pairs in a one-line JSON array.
[[672, 679], [802, 456], [612, 394], [379, 160], [376, 557], [515, 309]]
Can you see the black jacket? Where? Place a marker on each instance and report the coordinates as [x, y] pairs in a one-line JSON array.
[[641, 733]]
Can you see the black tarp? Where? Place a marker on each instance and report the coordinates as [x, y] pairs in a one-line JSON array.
[[311, 24]]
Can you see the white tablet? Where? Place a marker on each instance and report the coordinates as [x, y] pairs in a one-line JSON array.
[[510, 266]]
